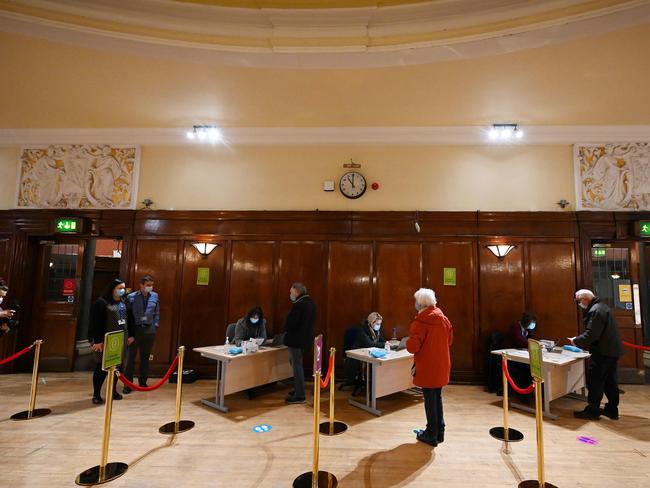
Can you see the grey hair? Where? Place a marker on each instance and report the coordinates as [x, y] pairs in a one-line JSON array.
[[302, 289], [584, 293], [426, 297]]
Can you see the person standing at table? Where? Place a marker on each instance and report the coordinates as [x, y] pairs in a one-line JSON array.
[[298, 333], [108, 314], [5, 315], [144, 311], [430, 336], [251, 326], [603, 340]]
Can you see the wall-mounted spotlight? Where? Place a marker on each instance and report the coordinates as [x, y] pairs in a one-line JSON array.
[[204, 248], [501, 250], [209, 133], [505, 132], [417, 221]]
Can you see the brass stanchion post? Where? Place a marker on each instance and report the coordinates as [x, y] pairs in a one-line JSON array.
[[33, 412], [505, 433], [332, 427], [316, 478], [106, 471], [178, 425]]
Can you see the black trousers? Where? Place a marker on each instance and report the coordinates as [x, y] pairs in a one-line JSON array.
[[144, 339], [99, 375], [602, 378], [433, 409]]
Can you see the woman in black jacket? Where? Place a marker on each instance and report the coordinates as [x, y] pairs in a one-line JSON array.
[[107, 314]]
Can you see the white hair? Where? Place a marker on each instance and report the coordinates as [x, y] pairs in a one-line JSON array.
[[584, 293], [425, 296]]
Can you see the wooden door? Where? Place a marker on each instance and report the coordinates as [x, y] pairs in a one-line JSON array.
[[55, 309]]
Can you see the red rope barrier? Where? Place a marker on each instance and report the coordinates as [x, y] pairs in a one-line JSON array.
[[635, 346], [324, 383], [521, 391], [17, 355], [135, 387]]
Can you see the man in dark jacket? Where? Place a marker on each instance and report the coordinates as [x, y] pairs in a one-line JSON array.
[[298, 333], [602, 338]]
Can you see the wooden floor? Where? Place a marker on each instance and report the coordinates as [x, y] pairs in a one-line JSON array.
[[223, 451]]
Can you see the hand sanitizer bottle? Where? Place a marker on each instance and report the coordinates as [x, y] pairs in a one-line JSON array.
[[394, 338], [227, 343], [387, 347]]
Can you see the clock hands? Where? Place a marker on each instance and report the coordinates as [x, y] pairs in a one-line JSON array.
[[351, 180]]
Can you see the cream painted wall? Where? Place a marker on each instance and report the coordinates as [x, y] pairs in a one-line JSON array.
[[598, 80], [291, 178], [426, 178]]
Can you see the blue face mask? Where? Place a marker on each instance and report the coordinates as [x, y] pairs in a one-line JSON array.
[[419, 307], [531, 326], [254, 321], [376, 327], [120, 292]]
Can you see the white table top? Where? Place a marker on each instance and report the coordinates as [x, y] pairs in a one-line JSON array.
[[559, 358], [362, 355], [221, 353]]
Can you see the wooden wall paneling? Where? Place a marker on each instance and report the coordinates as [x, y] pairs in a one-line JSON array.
[[398, 277], [552, 285], [303, 261], [457, 302], [502, 295], [349, 290], [252, 281], [202, 317], [159, 258]]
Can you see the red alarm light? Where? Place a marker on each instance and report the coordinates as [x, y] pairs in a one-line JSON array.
[[375, 186]]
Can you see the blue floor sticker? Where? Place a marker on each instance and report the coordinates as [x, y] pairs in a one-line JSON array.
[[262, 428]]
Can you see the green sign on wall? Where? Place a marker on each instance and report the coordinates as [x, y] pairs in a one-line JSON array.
[[644, 228], [113, 348], [535, 353], [67, 226], [449, 276], [203, 276]]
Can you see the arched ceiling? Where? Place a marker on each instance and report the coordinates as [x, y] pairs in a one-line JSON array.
[[319, 33]]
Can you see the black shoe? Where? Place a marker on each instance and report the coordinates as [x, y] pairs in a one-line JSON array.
[[127, 390], [97, 400], [295, 400], [609, 412], [116, 396], [143, 384], [427, 438], [441, 438], [586, 414]]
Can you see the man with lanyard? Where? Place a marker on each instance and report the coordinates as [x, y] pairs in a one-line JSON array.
[[144, 311]]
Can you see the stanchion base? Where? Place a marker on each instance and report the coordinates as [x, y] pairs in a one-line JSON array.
[[325, 479], [37, 412], [534, 484], [339, 428], [500, 433], [174, 428], [92, 475]]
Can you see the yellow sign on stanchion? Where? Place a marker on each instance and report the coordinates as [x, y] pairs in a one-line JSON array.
[[332, 427], [505, 433], [33, 412], [316, 478], [535, 353], [178, 425], [105, 471]]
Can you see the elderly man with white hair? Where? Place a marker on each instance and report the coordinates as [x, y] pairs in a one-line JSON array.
[[602, 338], [430, 336]]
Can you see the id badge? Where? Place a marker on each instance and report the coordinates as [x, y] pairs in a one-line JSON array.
[[144, 318], [121, 322]]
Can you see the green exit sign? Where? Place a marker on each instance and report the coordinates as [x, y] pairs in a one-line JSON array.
[[598, 252], [644, 229], [67, 226]]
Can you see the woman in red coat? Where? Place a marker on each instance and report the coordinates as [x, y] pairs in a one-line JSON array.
[[430, 336]]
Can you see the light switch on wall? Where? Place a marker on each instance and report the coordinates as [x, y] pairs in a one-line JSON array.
[[328, 185], [150, 357]]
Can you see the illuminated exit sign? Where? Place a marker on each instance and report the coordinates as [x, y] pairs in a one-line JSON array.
[[67, 226], [598, 252], [644, 229]]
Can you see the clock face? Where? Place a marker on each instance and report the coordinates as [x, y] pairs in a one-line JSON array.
[[352, 184]]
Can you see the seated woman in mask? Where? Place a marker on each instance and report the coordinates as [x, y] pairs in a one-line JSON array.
[[369, 334], [251, 326], [521, 331]]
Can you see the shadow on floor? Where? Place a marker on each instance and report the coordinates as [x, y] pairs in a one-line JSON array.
[[396, 467]]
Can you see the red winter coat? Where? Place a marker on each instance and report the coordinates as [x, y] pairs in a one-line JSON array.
[[430, 336]]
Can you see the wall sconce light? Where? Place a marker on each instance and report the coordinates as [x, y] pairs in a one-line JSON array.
[[208, 133], [204, 248], [417, 221], [501, 250], [505, 132]]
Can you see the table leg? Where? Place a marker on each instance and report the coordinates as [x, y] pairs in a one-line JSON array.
[[371, 399], [219, 402]]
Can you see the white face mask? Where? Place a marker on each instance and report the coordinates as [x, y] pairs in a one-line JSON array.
[[148, 289], [254, 320], [419, 307], [583, 306], [377, 326], [2, 299]]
